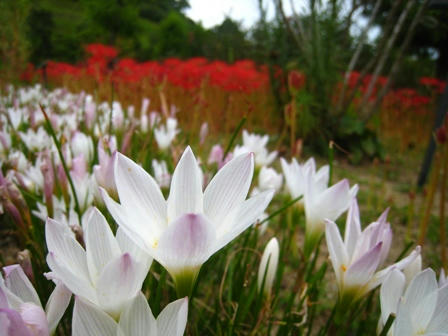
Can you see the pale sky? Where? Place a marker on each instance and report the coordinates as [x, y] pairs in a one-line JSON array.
[[213, 12]]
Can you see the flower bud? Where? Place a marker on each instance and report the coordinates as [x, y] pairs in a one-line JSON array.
[[268, 267]]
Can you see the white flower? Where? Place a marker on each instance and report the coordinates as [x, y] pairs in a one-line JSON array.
[[36, 141], [82, 145], [267, 271], [108, 273], [184, 231], [356, 259], [5, 142], [20, 306], [136, 319], [256, 144], [297, 176], [324, 204], [421, 310], [161, 173], [165, 134], [269, 179]]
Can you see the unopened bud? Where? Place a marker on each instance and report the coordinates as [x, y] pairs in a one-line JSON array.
[[268, 267]]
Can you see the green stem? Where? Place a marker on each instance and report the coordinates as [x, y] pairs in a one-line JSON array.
[[64, 165], [232, 139], [388, 325], [283, 208]]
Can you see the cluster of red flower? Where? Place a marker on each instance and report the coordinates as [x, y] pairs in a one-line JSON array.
[[242, 76]]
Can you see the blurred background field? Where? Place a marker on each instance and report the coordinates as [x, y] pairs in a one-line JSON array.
[[359, 83]]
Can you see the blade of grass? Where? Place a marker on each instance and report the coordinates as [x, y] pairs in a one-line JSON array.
[[64, 164], [234, 135]]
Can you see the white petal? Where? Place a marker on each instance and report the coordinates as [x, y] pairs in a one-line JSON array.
[[3, 299], [336, 249], [379, 277], [334, 201], [240, 219], [228, 188], [294, 177], [403, 323], [138, 229], [187, 243], [173, 319], [421, 298], [137, 318], [186, 187], [322, 177], [19, 284], [138, 190], [101, 245], [91, 321], [77, 284], [119, 282], [68, 251], [352, 227], [390, 293], [56, 305], [439, 322]]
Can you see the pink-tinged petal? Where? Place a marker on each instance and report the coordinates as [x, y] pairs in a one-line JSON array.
[[241, 218], [138, 190], [119, 282], [19, 284], [386, 238], [101, 246], [391, 291], [137, 229], [352, 227], [12, 324], [137, 318], [379, 277], [186, 187], [127, 245], [362, 270], [336, 249], [187, 243], [439, 321], [56, 305], [71, 278], [35, 319], [421, 298], [383, 217], [61, 242], [173, 319], [367, 240], [228, 188], [88, 320]]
